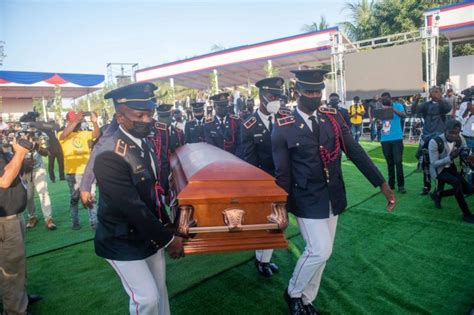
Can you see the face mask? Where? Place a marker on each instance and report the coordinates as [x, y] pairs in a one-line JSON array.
[[198, 117], [221, 111], [140, 129], [273, 107], [84, 126], [386, 102], [310, 103], [334, 102]]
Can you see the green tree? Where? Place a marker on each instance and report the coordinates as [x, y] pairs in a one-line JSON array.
[[270, 70], [98, 104], [57, 106], [314, 26], [362, 23], [213, 77], [38, 107]]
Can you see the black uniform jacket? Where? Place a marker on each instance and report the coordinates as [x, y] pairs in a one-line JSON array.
[[166, 139], [226, 138], [130, 226], [300, 171], [256, 145], [194, 132]]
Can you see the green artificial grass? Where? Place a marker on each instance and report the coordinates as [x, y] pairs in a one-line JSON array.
[[417, 260]]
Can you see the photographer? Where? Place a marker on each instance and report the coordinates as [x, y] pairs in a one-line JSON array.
[[434, 119], [34, 173], [443, 150], [12, 233]]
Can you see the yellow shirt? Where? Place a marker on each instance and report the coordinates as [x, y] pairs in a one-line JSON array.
[[359, 110], [76, 151]]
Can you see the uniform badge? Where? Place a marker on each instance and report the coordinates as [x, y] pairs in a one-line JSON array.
[[121, 147], [250, 122], [160, 125], [302, 126], [285, 121], [327, 110]]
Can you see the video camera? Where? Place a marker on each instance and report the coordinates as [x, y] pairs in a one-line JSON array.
[[27, 136], [27, 133]]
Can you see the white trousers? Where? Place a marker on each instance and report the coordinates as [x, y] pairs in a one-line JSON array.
[[319, 238], [145, 283], [36, 180], [264, 255]]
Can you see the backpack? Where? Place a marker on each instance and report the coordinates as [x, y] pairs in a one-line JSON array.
[[425, 151]]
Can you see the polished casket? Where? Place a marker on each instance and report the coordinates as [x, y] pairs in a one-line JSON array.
[[221, 203]]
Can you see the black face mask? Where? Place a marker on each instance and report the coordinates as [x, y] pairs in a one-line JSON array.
[[221, 111], [140, 129], [198, 117], [386, 102], [310, 103], [334, 103]]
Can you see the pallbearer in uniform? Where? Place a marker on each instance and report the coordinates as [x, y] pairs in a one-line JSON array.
[[256, 148], [165, 138], [131, 232], [223, 130], [194, 129], [307, 149]]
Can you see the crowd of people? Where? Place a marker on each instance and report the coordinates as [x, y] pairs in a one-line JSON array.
[[298, 139]]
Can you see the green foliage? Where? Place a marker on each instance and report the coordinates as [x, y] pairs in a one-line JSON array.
[[168, 95], [270, 70], [464, 48], [57, 106], [314, 26], [213, 77], [38, 107], [99, 105]]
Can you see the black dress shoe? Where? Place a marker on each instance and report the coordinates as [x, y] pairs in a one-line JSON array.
[[264, 269], [295, 305], [273, 267], [33, 298], [436, 199], [310, 310], [425, 192]]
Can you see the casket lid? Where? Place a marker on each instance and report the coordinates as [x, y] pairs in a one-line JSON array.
[[200, 168]]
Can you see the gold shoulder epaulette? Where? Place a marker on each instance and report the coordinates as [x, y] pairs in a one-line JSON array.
[[327, 110], [160, 125], [288, 120], [250, 122], [209, 120], [121, 147]]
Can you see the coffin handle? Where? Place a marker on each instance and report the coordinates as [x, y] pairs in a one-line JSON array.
[[234, 218], [185, 221], [279, 215]]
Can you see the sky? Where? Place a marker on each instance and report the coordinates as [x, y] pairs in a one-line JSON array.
[[82, 36]]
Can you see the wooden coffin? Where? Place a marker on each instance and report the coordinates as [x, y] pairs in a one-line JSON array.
[[221, 203]]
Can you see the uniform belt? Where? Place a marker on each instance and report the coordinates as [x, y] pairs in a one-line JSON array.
[[9, 217]]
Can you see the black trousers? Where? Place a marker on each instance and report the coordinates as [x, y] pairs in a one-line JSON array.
[[56, 155], [460, 187], [393, 152]]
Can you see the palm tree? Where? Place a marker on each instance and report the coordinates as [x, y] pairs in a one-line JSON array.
[[313, 27], [361, 24]]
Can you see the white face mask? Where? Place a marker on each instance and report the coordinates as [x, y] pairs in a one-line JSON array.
[[273, 107]]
